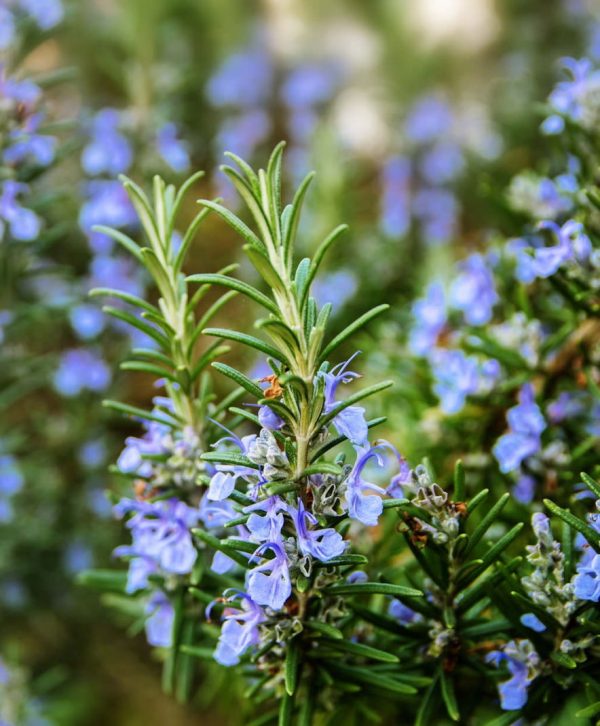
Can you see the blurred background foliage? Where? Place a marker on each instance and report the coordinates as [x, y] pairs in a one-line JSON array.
[[415, 117]]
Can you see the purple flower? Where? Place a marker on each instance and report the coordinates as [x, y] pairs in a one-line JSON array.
[[161, 616], [240, 629], [223, 481], [108, 204], [438, 211], [458, 375], [350, 422], [308, 85], [87, 321], [395, 196], [268, 419], [243, 80], [429, 315], [27, 144], [109, 151], [215, 514], [473, 291], [24, 225], [80, 370], [335, 287], [442, 163], [269, 584], [366, 508], [172, 149], [526, 424], [430, 119], [586, 584], [402, 613], [530, 620], [522, 661], [160, 537], [46, 13], [266, 527], [323, 544]]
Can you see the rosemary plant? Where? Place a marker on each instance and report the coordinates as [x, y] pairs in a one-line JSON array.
[[296, 622]]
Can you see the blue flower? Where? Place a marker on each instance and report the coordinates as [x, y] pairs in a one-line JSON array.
[[80, 370], [108, 204], [215, 514], [26, 143], [243, 80], [429, 119], [172, 149], [109, 151], [323, 544], [87, 321], [395, 198], [11, 482], [473, 290], [530, 620], [526, 424], [267, 527], [161, 616], [269, 584], [350, 422], [402, 613], [24, 225], [336, 288], [429, 315], [46, 13], [586, 584], [366, 508], [523, 662], [268, 419], [223, 480], [442, 163], [308, 85], [437, 210], [160, 538], [240, 629], [458, 375]]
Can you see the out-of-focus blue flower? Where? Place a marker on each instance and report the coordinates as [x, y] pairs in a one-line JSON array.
[[402, 613], [429, 119], [87, 321], [442, 163], [573, 245], [542, 198], [46, 13], [437, 209], [586, 584], [159, 625], [473, 290], [309, 85], [173, 150], [118, 273], [395, 196], [323, 544], [429, 316], [26, 143], [109, 152], [532, 621], [243, 80], [215, 514], [23, 224], [93, 453], [335, 287], [553, 125], [107, 203], [241, 134], [357, 577], [524, 489], [574, 97], [523, 664], [80, 370], [350, 422], [526, 424], [458, 375], [240, 629], [25, 92], [6, 318], [11, 482], [78, 557], [568, 405], [269, 584], [7, 28]]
